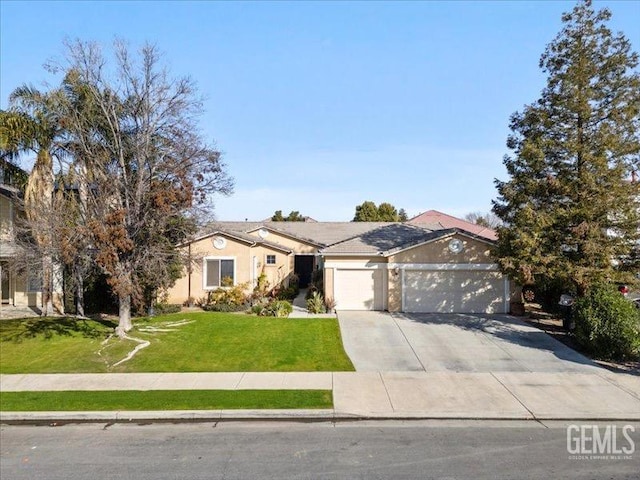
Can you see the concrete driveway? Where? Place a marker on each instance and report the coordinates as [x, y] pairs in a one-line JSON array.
[[383, 342]]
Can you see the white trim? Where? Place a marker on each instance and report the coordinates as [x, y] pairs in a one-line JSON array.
[[286, 234], [359, 265], [411, 266], [252, 243], [444, 266], [351, 254], [204, 271]]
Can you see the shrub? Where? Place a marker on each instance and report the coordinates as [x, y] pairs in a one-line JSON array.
[[288, 293], [294, 281], [317, 281], [225, 307], [233, 299], [189, 302], [549, 290], [315, 304], [330, 304], [260, 293], [276, 308], [202, 301], [607, 325], [162, 308]]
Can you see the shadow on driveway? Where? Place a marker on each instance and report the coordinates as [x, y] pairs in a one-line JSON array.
[[526, 345]]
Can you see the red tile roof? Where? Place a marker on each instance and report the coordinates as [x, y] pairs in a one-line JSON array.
[[447, 221]]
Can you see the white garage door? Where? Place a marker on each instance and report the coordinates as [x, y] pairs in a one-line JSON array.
[[358, 289], [454, 291]]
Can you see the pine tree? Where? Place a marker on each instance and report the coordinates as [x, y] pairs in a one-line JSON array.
[[277, 216], [387, 213], [570, 207], [367, 212]]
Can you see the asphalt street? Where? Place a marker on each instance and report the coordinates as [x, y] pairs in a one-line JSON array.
[[277, 450]]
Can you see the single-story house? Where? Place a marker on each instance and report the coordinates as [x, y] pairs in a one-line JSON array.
[[413, 266]]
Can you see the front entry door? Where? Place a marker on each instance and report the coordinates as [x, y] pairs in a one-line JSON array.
[[303, 268], [5, 282]]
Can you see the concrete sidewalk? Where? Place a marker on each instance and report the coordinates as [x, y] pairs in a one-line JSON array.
[[379, 395]]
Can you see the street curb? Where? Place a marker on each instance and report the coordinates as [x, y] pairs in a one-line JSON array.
[[302, 416]]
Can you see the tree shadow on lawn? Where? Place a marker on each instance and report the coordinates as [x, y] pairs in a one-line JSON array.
[[49, 327]]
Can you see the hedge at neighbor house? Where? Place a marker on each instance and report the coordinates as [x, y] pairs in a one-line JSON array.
[[607, 324]]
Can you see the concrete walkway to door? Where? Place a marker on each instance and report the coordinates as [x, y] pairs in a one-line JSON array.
[[383, 342]]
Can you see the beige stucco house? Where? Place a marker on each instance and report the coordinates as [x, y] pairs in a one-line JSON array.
[[19, 286], [399, 267]]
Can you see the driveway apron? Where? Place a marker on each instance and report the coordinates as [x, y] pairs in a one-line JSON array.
[[379, 341]]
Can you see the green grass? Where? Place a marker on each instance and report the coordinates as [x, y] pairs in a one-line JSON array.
[[213, 342], [164, 400]]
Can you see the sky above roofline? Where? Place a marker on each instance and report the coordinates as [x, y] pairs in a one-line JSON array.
[[319, 106]]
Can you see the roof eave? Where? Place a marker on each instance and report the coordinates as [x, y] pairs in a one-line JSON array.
[[351, 254], [449, 233], [289, 235]]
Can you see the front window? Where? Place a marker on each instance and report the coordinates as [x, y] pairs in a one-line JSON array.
[[219, 272], [271, 260], [34, 281]]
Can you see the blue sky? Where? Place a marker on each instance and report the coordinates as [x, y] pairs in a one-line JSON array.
[[319, 106]]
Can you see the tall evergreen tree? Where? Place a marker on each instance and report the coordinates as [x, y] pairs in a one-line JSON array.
[[387, 213], [294, 216], [570, 207], [368, 211]]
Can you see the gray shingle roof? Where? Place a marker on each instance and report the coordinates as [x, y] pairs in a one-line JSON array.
[[340, 238], [386, 240], [251, 239], [318, 233]]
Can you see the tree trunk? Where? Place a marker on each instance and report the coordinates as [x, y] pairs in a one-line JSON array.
[[124, 323], [47, 286], [79, 284]]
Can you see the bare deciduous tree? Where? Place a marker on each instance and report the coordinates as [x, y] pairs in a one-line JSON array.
[[489, 220], [144, 164]]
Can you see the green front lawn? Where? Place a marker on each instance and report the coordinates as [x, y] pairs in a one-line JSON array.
[[163, 400], [212, 342]]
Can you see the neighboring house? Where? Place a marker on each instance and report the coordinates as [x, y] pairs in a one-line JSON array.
[[433, 217], [20, 286], [399, 267]]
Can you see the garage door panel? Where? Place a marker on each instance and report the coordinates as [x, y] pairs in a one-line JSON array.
[[359, 289], [453, 291]]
